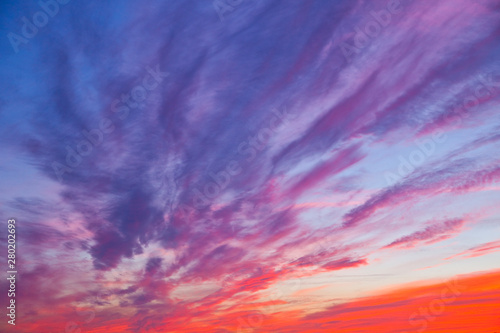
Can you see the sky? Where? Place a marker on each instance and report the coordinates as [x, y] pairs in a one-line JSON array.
[[251, 165]]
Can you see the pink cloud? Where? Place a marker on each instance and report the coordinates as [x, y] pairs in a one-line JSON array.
[[432, 234]]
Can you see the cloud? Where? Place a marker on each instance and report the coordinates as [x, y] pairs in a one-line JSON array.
[[433, 233], [256, 144], [479, 250]]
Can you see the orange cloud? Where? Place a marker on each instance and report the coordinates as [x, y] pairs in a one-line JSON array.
[[462, 305], [479, 250]]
